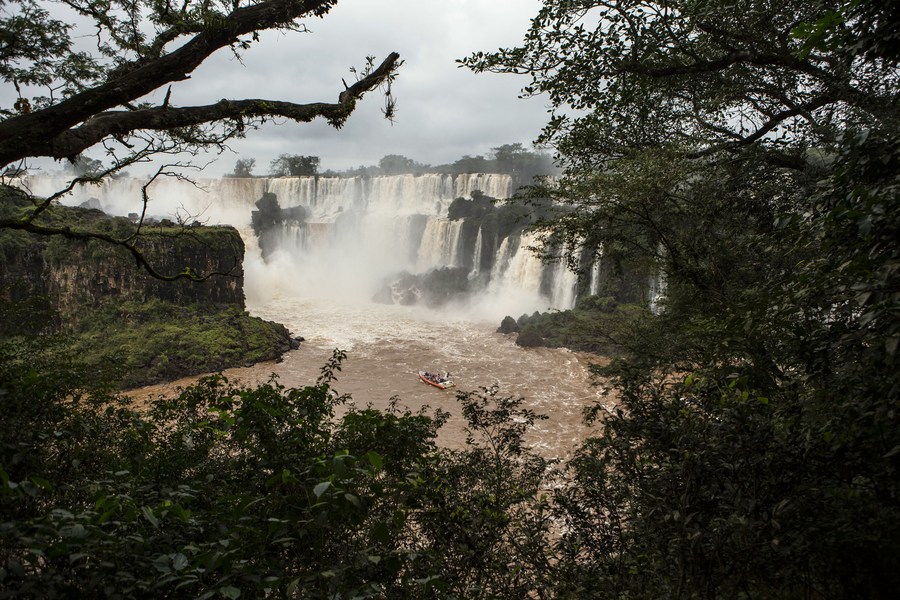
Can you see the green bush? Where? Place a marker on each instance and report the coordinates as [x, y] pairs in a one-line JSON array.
[[597, 325], [228, 491]]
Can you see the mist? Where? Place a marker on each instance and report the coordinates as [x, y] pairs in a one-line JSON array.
[[356, 234]]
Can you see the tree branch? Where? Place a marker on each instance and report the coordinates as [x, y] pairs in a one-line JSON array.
[[119, 123], [20, 134], [718, 64], [764, 129]]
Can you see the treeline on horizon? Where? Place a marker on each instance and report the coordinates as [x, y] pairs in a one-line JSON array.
[[511, 159]]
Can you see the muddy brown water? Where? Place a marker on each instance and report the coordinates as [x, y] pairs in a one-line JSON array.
[[387, 345]]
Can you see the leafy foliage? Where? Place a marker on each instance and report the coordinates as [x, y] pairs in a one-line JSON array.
[[287, 165], [236, 492], [598, 325], [243, 168], [139, 343], [395, 164], [511, 159], [747, 154]]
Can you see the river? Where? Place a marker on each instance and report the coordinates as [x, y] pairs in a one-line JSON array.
[[387, 345]]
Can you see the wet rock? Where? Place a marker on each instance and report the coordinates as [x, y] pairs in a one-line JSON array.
[[508, 325], [529, 339]]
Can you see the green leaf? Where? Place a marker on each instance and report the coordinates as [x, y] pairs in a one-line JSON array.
[[148, 514], [382, 533], [230, 592], [338, 465], [29, 488], [179, 561], [41, 483], [320, 488], [375, 460]]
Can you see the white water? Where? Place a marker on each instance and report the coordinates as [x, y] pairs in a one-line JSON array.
[[358, 231], [440, 244], [320, 281], [476, 259]]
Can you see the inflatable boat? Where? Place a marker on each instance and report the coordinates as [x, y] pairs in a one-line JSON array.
[[438, 380]]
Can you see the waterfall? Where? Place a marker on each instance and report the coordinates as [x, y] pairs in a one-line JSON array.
[[562, 283], [476, 259], [355, 231], [440, 244], [517, 267], [656, 292], [495, 186], [504, 254], [594, 287], [305, 237], [324, 197]]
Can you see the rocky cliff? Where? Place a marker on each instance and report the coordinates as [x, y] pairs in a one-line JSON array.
[[71, 277], [140, 328]]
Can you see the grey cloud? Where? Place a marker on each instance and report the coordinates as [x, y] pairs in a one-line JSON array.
[[444, 111]]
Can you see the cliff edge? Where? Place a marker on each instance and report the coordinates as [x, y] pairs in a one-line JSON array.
[[126, 325]]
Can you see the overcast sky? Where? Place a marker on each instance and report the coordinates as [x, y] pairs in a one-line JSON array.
[[444, 111]]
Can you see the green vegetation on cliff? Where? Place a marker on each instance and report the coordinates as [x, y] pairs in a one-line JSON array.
[[125, 324], [597, 325], [137, 343]]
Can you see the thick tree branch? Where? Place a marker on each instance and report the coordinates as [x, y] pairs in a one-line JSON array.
[[119, 123], [20, 134], [714, 65], [766, 128]]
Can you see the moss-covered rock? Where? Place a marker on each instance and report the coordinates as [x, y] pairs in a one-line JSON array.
[[529, 338], [508, 325], [596, 325], [139, 343]]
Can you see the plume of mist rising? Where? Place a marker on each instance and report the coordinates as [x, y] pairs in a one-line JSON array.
[[358, 232]]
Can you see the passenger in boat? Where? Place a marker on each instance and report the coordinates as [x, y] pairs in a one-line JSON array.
[[436, 377]]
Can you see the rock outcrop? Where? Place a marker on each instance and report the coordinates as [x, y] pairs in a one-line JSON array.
[[69, 278], [115, 313]]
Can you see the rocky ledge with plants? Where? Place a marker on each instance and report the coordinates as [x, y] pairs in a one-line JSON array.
[[121, 321]]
